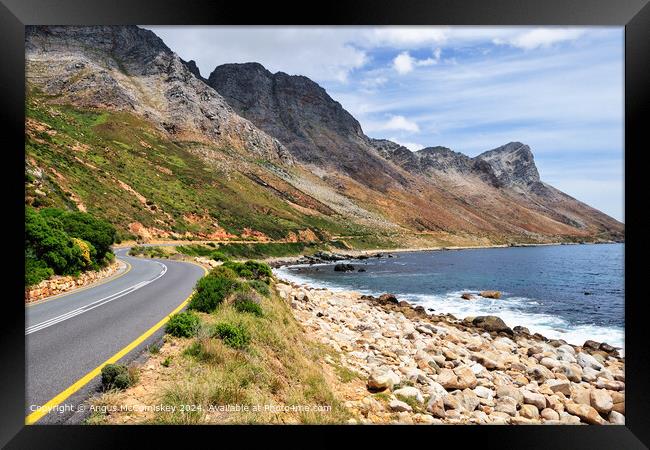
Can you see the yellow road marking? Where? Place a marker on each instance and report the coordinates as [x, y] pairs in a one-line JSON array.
[[81, 382], [74, 291]]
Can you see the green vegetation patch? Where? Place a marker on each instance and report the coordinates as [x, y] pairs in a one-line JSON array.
[[148, 251], [117, 376], [251, 270], [213, 288], [64, 243], [184, 324], [233, 335]]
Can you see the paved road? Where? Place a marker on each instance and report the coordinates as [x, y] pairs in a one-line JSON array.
[[69, 336]]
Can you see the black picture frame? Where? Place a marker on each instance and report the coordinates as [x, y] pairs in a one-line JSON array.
[[15, 14]]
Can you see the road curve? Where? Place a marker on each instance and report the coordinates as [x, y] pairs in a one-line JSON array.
[[69, 336]]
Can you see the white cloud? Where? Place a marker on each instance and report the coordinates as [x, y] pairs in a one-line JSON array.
[[320, 53], [394, 122], [405, 63], [540, 37], [405, 37], [413, 146], [401, 123]]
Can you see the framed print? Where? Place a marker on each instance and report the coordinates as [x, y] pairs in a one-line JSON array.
[[375, 214]]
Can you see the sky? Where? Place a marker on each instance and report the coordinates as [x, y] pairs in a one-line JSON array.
[[472, 89]]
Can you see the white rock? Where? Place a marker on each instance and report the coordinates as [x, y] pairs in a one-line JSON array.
[[586, 360], [410, 392], [383, 380], [616, 418], [399, 406], [601, 401], [484, 392]]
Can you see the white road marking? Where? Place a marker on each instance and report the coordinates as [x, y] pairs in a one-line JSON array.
[[93, 305]]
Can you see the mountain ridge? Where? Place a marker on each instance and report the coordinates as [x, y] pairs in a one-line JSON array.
[[278, 144]]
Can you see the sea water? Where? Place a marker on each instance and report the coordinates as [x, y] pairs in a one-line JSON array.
[[570, 292]]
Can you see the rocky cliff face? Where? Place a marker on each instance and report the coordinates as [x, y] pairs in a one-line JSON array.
[[299, 113], [512, 164], [129, 68]]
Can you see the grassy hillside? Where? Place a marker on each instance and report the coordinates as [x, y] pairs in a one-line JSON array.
[[119, 167], [247, 351]]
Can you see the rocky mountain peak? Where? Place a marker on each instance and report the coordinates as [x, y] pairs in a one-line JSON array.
[[512, 164], [298, 112], [192, 67], [129, 68], [443, 159], [293, 108]]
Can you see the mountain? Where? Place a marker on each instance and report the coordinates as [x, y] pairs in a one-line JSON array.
[[315, 129], [120, 125]]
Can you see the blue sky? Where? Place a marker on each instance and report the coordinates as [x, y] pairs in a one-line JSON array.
[[557, 89]]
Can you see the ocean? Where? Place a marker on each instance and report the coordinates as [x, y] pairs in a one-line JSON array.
[[570, 292]]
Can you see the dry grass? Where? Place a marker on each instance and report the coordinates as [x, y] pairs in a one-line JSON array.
[[279, 368]]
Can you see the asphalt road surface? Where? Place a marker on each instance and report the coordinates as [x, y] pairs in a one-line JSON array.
[[69, 336]]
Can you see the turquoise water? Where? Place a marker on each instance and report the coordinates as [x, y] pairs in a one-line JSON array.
[[543, 288]]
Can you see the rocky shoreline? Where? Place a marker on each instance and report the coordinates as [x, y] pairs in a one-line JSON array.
[[419, 367]]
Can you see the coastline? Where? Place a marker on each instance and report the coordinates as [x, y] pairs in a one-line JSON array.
[[282, 261], [469, 371]]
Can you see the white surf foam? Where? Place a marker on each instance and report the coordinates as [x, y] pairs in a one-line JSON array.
[[507, 308]]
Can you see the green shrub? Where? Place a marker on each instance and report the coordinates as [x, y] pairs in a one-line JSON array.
[[250, 269], [116, 376], [260, 287], [218, 256], [98, 232], [212, 289], [183, 324], [36, 271], [249, 306], [235, 336], [47, 245], [64, 243]]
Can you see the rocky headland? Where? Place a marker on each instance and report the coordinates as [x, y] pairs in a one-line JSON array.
[[419, 367]]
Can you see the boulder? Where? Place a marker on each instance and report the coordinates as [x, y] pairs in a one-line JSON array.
[[483, 392], [586, 360], [549, 414], [461, 377], [506, 405], [410, 392], [491, 294], [491, 323], [466, 400], [535, 399], [510, 391], [520, 329], [529, 412], [467, 296], [563, 386], [340, 267], [399, 406], [589, 374], [593, 345], [436, 406], [388, 298], [381, 380], [609, 349], [585, 412], [616, 418], [601, 401]]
